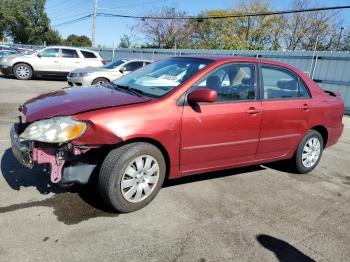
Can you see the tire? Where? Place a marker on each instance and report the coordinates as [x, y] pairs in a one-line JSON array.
[[100, 81], [119, 170], [23, 71], [304, 162]]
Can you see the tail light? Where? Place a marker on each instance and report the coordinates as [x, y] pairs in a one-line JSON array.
[[104, 62]]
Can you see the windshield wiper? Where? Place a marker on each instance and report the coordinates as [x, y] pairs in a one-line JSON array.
[[130, 89]]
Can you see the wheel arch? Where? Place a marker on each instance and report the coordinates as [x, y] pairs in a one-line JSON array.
[[323, 131], [155, 143], [100, 77], [13, 66]]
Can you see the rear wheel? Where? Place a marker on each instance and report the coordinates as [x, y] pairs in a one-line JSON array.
[[23, 71], [309, 152], [100, 81], [131, 176]]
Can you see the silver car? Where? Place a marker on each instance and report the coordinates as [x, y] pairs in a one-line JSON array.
[[53, 60], [99, 75]]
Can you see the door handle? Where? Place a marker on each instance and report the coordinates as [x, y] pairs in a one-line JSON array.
[[252, 111], [56, 61], [305, 107], [77, 62]]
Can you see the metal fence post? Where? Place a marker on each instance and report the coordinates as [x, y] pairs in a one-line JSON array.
[[315, 64]]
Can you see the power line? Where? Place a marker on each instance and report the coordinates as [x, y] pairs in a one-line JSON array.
[[199, 18], [228, 15], [74, 20]]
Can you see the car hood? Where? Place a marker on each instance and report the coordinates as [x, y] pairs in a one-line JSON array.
[[91, 69], [75, 100]]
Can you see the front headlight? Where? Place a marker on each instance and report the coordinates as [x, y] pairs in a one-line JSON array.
[[54, 130]]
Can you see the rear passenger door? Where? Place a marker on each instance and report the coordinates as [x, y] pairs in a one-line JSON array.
[[70, 60], [286, 111]]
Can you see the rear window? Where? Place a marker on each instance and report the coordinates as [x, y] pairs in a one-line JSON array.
[[87, 54]]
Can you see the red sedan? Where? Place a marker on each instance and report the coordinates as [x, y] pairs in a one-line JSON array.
[[174, 118]]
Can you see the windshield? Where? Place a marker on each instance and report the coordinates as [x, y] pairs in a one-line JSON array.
[[159, 78], [114, 64]]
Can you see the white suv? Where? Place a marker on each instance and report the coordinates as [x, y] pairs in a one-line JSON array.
[[53, 60]]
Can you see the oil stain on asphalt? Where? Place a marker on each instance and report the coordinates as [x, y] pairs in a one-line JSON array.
[[69, 208]]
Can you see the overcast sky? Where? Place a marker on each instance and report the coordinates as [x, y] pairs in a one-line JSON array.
[[110, 29]]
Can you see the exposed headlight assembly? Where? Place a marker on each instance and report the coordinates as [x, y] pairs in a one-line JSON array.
[[54, 130]]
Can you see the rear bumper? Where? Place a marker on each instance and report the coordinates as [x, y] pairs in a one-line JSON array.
[[334, 133]]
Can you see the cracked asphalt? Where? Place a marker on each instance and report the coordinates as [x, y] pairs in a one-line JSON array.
[[256, 213]]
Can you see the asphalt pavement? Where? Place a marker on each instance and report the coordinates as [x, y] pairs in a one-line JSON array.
[[259, 213]]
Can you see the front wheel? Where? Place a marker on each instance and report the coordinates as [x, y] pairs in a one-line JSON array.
[[23, 71], [309, 152], [131, 176]]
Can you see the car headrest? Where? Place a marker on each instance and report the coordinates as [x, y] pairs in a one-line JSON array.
[[247, 81], [287, 84], [213, 81]]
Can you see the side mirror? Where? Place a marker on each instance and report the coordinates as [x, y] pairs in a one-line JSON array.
[[202, 95], [39, 55], [122, 70]]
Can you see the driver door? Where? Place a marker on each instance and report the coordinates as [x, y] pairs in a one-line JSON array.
[[224, 133]]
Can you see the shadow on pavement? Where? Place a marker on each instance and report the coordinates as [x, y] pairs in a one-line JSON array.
[[71, 205], [212, 175], [46, 78], [282, 250], [79, 203]]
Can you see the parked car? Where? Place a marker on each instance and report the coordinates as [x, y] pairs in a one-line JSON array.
[[8, 52], [107, 73], [53, 60], [24, 50], [174, 118]]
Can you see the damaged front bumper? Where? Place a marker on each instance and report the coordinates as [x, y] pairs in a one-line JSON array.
[[66, 165]]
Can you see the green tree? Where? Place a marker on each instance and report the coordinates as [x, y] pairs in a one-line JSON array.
[[79, 41], [257, 32], [26, 21], [125, 41]]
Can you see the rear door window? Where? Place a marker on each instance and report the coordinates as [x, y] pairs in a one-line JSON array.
[[69, 53], [280, 83], [133, 66]]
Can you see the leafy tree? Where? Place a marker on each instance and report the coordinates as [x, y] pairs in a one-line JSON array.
[[344, 44], [302, 31], [238, 32], [165, 33], [79, 41], [25, 21], [125, 42]]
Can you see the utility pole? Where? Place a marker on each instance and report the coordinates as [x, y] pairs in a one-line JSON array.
[[93, 37]]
